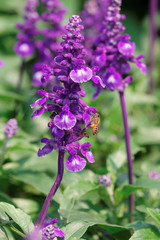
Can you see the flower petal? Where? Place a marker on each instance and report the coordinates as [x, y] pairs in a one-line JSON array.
[[65, 120], [142, 66], [58, 232], [126, 48], [75, 163], [81, 75]]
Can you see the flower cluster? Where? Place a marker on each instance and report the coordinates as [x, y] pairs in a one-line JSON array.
[[11, 128], [93, 15], [69, 111], [28, 31], [49, 231], [104, 180], [154, 174], [113, 53], [49, 44]]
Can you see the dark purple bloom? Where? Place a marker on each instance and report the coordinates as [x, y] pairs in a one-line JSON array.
[[11, 128], [47, 47], [1, 63], [49, 231], [104, 180], [28, 31], [70, 115], [92, 16], [114, 52], [154, 174]]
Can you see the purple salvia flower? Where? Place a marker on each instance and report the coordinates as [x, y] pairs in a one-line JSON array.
[[114, 52], [28, 31], [11, 128], [154, 174], [93, 15], [68, 111], [104, 180], [49, 231], [1, 63], [47, 48]]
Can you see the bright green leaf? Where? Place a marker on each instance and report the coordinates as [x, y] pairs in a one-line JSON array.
[[155, 214], [18, 216], [144, 234]]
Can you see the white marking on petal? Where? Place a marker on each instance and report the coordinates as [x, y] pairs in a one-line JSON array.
[[111, 79]]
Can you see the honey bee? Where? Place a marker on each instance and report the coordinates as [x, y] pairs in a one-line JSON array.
[[95, 119]]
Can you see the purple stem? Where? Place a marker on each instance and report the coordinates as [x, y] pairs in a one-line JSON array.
[[53, 190], [153, 6], [128, 149]]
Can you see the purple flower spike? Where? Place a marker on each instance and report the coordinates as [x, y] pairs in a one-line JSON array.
[[81, 75], [49, 231], [28, 30], [75, 163], [65, 120], [112, 49], [69, 113], [11, 128]]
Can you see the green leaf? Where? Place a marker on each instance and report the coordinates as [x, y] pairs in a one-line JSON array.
[[40, 181], [78, 228], [144, 234], [155, 214], [138, 225], [75, 191], [141, 184], [19, 145], [3, 215], [6, 95], [3, 234], [149, 135], [18, 216], [148, 183]]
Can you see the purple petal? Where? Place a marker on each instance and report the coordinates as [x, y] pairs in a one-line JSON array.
[[142, 66], [96, 79], [45, 150], [126, 48], [24, 49], [75, 163], [89, 156], [37, 113], [86, 152], [39, 102], [58, 232], [112, 80], [65, 120], [36, 79], [1, 63], [81, 75], [56, 132]]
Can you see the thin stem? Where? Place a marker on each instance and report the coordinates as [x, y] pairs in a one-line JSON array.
[[53, 190], [4, 150], [153, 32], [128, 149], [19, 84]]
